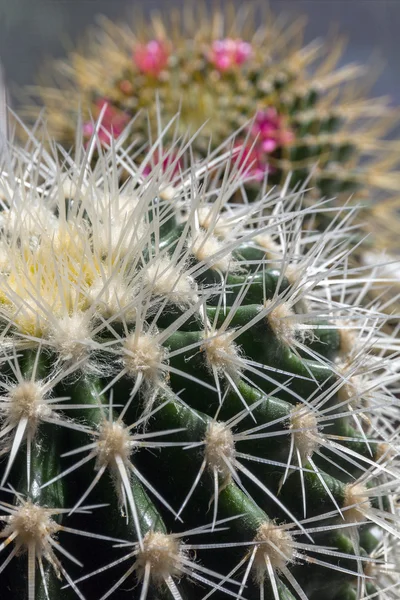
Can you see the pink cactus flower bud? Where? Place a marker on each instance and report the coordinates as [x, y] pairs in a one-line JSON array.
[[112, 123], [266, 135], [151, 58], [88, 129], [254, 162], [243, 52], [228, 53], [271, 131]]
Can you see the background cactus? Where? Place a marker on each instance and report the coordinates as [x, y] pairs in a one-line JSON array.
[[194, 404], [219, 67]]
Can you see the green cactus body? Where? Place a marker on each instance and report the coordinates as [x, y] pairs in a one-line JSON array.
[[184, 415]]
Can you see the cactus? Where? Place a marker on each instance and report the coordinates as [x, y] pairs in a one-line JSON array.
[[194, 403], [219, 68]]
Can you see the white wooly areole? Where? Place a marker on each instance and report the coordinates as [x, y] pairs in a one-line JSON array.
[[205, 354]]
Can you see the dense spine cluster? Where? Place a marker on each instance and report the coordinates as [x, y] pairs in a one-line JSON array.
[[195, 403]]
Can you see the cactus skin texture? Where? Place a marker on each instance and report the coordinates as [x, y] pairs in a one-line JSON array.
[[193, 402]]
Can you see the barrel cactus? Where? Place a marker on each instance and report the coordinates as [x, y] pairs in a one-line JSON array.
[[219, 67], [194, 402]]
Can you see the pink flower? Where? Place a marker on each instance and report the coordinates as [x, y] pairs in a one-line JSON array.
[[151, 58], [270, 129], [256, 165], [113, 122], [266, 135], [228, 53]]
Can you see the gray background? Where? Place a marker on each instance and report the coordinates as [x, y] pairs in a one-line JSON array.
[[31, 30]]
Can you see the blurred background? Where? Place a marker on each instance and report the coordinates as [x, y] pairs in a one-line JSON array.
[[32, 30]]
